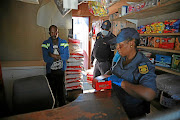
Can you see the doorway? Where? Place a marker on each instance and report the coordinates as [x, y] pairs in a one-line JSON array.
[[81, 32]]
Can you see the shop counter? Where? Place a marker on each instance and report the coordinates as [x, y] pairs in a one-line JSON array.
[[100, 105]]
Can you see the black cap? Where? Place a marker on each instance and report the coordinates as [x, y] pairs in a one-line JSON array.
[[106, 25]]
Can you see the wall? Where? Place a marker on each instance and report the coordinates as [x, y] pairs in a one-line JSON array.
[[160, 18]]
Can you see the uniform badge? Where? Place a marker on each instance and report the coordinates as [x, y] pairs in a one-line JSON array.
[[98, 37], [105, 23], [143, 69]]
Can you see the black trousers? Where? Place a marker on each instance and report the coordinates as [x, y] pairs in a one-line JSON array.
[[56, 81]]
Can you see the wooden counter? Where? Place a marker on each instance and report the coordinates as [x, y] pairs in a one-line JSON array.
[[101, 105]]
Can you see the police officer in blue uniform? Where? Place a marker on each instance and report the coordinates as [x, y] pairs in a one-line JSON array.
[[102, 51], [133, 76]]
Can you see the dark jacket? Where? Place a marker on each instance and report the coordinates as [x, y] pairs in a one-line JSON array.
[[102, 50]]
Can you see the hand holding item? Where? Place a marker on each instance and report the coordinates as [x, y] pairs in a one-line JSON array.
[[114, 79]]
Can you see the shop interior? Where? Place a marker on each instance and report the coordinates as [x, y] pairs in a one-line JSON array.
[[25, 25]]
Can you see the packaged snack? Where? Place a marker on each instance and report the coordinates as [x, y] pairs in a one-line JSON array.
[[143, 41], [156, 42], [177, 43], [175, 62], [148, 29], [163, 61], [167, 43]]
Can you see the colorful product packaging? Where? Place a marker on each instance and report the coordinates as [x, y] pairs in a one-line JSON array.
[[163, 60], [177, 43], [157, 42], [167, 43], [175, 62], [148, 29], [143, 41], [99, 83], [150, 42]]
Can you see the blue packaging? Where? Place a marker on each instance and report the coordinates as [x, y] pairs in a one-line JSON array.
[[163, 61]]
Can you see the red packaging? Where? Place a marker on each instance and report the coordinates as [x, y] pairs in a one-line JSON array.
[[167, 43], [89, 78], [98, 83], [177, 43]]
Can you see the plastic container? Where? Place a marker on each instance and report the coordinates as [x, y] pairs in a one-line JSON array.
[[167, 101]]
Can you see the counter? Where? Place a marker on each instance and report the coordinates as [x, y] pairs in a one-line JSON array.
[[101, 105]]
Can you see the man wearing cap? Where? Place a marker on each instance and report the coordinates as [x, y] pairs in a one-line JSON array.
[[102, 51], [133, 76]]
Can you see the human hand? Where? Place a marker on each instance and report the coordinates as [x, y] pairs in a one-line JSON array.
[[116, 80]]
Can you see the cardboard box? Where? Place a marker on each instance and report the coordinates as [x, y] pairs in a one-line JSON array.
[[156, 41], [167, 43], [98, 83], [163, 60]]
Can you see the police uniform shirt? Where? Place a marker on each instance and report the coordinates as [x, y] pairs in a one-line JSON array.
[[140, 71]]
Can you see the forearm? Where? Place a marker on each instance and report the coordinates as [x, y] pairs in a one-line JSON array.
[[138, 91]]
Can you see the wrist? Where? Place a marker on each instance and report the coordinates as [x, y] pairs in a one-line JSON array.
[[123, 84]]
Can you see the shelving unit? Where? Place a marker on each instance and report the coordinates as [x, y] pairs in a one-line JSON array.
[[168, 7], [159, 49], [167, 70], [163, 50], [161, 34]]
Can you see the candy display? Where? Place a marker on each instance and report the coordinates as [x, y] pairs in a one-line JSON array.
[[98, 8]]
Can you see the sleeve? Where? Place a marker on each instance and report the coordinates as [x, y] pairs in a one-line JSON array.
[[149, 79], [65, 54], [45, 50]]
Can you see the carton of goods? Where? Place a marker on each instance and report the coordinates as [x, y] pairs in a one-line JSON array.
[[177, 43], [150, 42], [143, 41], [175, 62], [99, 83], [157, 42], [163, 61], [167, 43]]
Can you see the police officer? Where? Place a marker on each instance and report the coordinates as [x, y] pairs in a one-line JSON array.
[[133, 76], [102, 51]]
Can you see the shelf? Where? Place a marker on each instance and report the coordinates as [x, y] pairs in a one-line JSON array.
[[159, 49], [167, 70], [168, 7], [161, 34]]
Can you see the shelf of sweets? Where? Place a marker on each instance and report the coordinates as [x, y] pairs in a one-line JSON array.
[[161, 34], [168, 7], [159, 49], [167, 70]]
